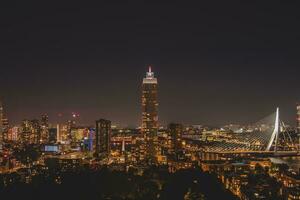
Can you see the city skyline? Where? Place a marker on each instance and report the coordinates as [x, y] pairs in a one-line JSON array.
[[144, 100], [81, 116]]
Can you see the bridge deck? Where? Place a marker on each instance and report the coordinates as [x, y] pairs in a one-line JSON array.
[[263, 153]]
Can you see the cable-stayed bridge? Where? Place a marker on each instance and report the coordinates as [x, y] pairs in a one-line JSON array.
[[268, 136]]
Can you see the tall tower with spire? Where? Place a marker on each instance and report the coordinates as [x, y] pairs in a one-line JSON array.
[[150, 111]]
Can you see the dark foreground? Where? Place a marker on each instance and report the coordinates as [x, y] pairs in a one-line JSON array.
[[94, 184]]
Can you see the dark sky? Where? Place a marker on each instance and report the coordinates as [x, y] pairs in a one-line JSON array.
[[217, 61]]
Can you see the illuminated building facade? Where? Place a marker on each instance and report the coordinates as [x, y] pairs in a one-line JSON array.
[[175, 131], [25, 132], [35, 129], [1, 125], [30, 132], [298, 118], [149, 105], [103, 136], [44, 138], [58, 134], [89, 140], [150, 112], [62, 133], [5, 128], [52, 135], [14, 133], [71, 124]]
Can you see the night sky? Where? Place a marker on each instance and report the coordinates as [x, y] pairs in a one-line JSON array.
[[217, 62]]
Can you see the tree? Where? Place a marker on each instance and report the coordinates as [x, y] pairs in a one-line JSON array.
[[27, 155]]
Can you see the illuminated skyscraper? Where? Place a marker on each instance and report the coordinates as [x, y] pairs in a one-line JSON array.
[[175, 131], [4, 126], [1, 125], [44, 136], [71, 124], [58, 136], [52, 135], [26, 132], [30, 132], [103, 135], [35, 129], [298, 118], [150, 112], [149, 105]]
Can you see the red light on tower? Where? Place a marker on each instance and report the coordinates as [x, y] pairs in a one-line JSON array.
[[75, 115]]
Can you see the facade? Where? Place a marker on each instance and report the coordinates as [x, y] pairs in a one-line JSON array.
[[30, 132], [44, 135], [1, 125], [52, 135], [15, 133], [103, 136], [71, 124], [5, 128], [63, 135], [298, 118], [35, 131], [58, 135], [25, 132], [149, 105], [175, 131], [150, 113]]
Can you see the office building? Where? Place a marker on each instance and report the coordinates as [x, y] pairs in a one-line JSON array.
[[25, 132], [1, 126], [150, 113], [44, 138], [175, 131], [298, 118], [149, 105], [35, 128], [103, 135]]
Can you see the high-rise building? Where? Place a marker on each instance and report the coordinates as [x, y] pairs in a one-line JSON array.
[[30, 132], [175, 131], [91, 138], [58, 136], [52, 135], [103, 135], [63, 133], [25, 132], [1, 125], [150, 112], [298, 118], [35, 128], [71, 125], [44, 136], [149, 105], [14, 133], [5, 128], [4, 124]]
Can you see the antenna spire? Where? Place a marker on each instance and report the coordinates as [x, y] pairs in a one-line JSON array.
[[149, 73]]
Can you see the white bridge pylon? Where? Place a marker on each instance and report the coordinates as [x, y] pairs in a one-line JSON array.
[[275, 133]]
